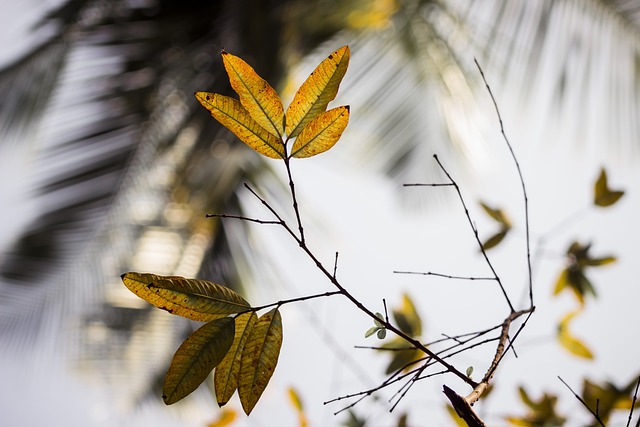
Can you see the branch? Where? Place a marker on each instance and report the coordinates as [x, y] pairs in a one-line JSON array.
[[524, 189], [475, 233], [595, 414]]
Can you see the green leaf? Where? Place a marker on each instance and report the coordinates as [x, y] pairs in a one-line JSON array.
[[259, 358], [226, 376], [372, 330], [232, 115], [196, 357], [256, 95], [382, 333], [191, 298], [603, 195], [379, 323], [407, 317], [469, 371], [321, 133], [320, 88]]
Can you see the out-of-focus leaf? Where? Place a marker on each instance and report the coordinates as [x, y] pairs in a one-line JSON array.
[[402, 357], [226, 418], [354, 420], [259, 358], [570, 342], [541, 412], [256, 95], [321, 133], [191, 298], [459, 422], [225, 378], [232, 115], [608, 397], [596, 262], [320, 88], [573, 276], [603, 195], [402, 420], [296, 402], [495, 240], [407, 317], [196, 357], [497, 214]]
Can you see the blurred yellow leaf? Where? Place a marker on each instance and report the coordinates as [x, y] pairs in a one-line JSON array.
[[295, 400], [607, 397], [402, 357], [459, 422], [320, 88], [191, 298], [226, 418], [407, 317], [541, 412], [256, 95], [196, 357], [321, 133], [570, 342], [259, 358], [232, 115], [496, 214], [225, 378], [603, 195]]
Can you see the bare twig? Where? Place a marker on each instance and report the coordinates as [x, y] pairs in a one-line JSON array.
[[524, 189], [475, 233], [447, 276], [633, 403], [595, 414]]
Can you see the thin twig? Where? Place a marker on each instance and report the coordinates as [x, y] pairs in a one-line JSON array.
[[244, 218], [595, 414], [447, 276], [633, 403], [294, 199], [475, 233], [524, 189]]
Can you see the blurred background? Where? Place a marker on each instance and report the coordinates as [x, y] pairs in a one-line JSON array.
[[108, 164]]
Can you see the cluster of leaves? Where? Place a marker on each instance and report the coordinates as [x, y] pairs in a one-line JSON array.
[[408, 321], [573, 276], [602, 399], [242, 347], [259, 120]]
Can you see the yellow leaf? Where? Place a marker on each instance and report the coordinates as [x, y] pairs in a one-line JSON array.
[[321, 133], [259, 358], [295, 400], [196, 358], [226, 418], [496, 214], [225, 379], [256, 95], [459, 422], [191, 298], [570, 342], [232, 115], [603, 195], [320, 88], [407, 317]]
